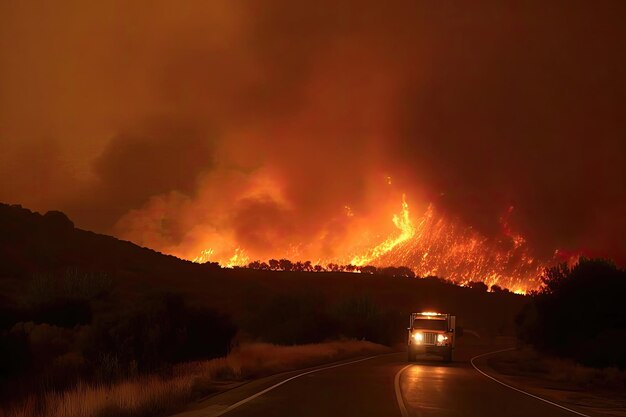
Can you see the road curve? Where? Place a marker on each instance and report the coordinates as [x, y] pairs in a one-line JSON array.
[[378, 387]]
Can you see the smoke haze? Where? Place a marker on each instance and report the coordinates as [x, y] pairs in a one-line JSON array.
[[292, 129]]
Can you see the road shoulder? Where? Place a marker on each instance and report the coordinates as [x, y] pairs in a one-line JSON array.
[[508, 367], [220, 403]]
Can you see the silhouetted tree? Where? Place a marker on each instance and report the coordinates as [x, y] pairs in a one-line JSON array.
[[285, 264], [391, 271], [405, 271], [274, 264], [254, 265], [499, 289], [579, 313], [368, 269]]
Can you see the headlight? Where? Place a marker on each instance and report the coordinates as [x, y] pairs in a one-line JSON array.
[[418, 337], [441, 338]]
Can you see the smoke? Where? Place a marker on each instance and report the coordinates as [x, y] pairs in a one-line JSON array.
[[273, 126]]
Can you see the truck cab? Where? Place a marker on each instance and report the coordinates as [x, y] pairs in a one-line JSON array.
[[431, 332]]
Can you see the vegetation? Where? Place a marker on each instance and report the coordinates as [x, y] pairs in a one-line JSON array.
[[307, 318], [527, 362], [157, 395], [68, 344], [87, 316], [307, 266], [579, 314]]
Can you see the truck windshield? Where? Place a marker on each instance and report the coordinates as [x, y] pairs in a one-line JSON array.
[[427, 324]]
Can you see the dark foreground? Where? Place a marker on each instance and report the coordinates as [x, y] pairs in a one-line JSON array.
[[369, 388]]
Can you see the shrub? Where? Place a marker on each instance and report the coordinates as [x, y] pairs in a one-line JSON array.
[[158, 331], [65, 299], [290, 319], [358, 317], [579, 314]]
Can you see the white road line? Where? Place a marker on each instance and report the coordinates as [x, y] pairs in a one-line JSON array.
[[517, 389], [266, 390], [396, 384]]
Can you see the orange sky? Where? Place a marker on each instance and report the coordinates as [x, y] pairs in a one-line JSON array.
[[175, 124]]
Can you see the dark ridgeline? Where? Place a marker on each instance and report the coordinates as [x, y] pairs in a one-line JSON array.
[[31, 243]]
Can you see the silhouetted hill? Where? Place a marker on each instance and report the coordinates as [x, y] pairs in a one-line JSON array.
[[32, 244]]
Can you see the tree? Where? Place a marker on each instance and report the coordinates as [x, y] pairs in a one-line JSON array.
[[254, 265], [498, 289], [285, 265], [579, 313], [274, 264], [332, 267], [405, 271], [368, 269]]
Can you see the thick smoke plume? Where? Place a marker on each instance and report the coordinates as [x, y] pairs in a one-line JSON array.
[[290, 129]]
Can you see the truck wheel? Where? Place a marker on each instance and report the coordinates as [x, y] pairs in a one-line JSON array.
[[447, 357], [411, 355]]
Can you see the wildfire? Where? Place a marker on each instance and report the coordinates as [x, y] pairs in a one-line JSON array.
[[436, 246], [431, 245], [238, 259], [205, 256], [407, 230]]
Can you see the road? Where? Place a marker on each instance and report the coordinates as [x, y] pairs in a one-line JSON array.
[[377, 387]]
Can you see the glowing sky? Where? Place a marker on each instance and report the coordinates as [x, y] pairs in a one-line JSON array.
[[179, 124]]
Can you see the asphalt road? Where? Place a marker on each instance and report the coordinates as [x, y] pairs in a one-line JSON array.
[[381, 386]]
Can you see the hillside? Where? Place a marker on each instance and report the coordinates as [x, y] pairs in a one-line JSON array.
[[76, 305], [33, 244]]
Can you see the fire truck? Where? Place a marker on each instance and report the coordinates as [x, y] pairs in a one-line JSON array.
[[431, 333]]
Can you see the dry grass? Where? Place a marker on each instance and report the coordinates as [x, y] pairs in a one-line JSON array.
[[528, 362], [153, 396]]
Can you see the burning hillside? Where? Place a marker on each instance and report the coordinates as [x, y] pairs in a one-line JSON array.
[[433, 245], [429, 244]]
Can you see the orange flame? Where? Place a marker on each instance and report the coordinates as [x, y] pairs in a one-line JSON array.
[[407, 231], [435, 246], [431, 245]]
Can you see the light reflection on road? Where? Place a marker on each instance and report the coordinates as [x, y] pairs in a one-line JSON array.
[[424, 387]]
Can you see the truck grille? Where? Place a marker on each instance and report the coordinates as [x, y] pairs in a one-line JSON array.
[[430, 338]]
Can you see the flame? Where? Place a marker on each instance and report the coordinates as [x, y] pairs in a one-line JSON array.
[[431, 245], [204, 256], [435, 246], [238, 259], [407, 230]]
